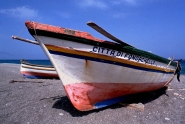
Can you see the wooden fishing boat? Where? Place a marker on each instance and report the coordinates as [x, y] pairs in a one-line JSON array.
[[96, 73], [29, 70]]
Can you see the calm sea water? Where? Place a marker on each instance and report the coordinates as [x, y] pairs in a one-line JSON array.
[[47, 62], [40, 62], [183, 66]]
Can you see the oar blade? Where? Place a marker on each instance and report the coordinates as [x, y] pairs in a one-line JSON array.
[[105, 33]]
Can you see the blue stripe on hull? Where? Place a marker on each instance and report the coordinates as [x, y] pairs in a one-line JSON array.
[[112, 101], [37, 77], [106, 61], [31, 76]]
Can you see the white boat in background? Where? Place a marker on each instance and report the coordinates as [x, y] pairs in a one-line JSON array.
[[96, 73], [33, 71]]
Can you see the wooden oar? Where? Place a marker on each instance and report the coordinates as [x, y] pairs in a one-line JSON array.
[[105, 33], [25, 40]]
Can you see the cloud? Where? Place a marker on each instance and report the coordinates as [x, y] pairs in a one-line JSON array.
[[93, 3], [23, 12], [130, 2], [120, 15], [64, 15]]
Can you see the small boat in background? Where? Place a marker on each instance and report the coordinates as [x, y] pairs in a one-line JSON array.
[[33, 71]]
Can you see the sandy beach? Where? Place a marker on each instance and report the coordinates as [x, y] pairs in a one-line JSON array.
[[43, 101]]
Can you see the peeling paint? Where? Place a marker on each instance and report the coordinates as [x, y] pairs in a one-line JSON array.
[[85, 95]]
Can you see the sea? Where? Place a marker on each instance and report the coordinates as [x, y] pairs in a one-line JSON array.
[[47, 62], [40, 62]]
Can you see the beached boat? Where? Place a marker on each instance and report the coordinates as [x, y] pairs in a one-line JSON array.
[[96, 73], [29, 70]]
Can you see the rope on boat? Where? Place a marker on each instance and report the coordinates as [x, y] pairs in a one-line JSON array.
[[21, 32], [23, 81], [169, 63]]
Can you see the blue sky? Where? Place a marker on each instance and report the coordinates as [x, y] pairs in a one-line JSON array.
[[151, 25]]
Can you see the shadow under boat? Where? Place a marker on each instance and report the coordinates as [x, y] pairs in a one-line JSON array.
[[144, 98]]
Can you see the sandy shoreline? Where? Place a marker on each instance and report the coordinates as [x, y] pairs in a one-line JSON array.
[[43, 101]]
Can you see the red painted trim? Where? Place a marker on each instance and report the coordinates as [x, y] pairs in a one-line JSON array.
[[60, 30], [84, 95], [40, 74]]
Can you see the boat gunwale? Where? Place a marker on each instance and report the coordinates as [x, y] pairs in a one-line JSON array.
[[104, 58], [27, 63], [39, 31], [38, 68]]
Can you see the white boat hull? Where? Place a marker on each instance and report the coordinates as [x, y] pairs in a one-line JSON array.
[[97, 73], [84, 77]]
